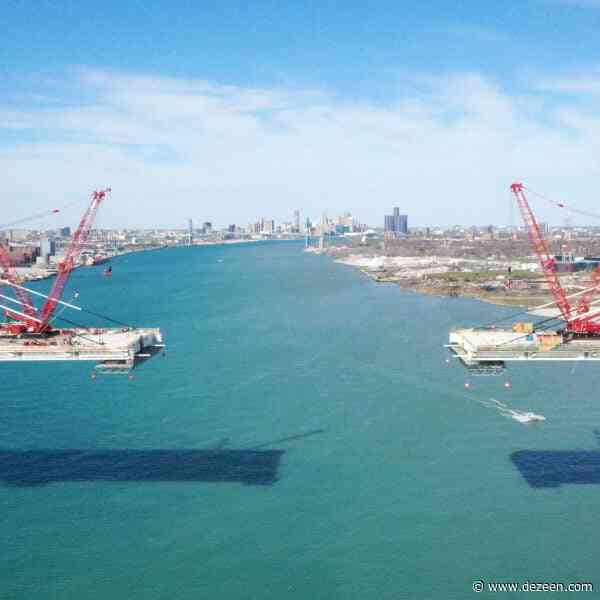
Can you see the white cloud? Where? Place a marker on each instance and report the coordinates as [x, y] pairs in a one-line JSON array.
[[175, 148], [582, 83], [577, 3]]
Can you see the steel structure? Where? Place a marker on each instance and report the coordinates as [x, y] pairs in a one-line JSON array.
[[28, 334], [578, 318], [28, 319], [486, 350], [29, 313]]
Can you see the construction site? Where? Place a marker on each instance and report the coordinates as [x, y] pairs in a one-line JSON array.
[[567, 329], [31, 333]]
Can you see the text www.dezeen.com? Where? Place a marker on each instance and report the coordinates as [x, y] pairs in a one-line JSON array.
[[531, 586]]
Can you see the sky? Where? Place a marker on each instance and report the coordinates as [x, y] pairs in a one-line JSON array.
[[232, 111]]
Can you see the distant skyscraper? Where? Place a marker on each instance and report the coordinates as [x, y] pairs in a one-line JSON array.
[[190, 232], [395, 224], [47, 248], [267, 226], [297, 221], [65, 232], [207, 227]]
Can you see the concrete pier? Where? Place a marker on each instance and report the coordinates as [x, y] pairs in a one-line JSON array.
[[112, 349], [494, 347]]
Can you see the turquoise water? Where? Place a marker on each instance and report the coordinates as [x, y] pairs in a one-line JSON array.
[[302, 438]]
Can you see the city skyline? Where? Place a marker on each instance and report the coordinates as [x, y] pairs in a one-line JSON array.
[[426, 107]]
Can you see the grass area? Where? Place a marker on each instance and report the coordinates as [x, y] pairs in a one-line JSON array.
[[479, 276]]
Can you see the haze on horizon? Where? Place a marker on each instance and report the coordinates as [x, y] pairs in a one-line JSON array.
[[228, 111]]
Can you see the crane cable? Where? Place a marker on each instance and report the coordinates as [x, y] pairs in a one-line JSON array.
[[40, 215], [107, 318], [562, 205]]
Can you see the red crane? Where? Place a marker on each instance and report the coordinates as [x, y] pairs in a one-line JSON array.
[[8, 274], [67, 265], [577, 318], [31, 320], [28, 317]]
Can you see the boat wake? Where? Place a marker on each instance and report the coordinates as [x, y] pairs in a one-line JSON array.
[[510, 413]]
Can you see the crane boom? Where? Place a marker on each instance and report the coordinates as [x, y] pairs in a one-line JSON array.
[[584, 303], [29, 317], [72, 256], [540, 247], [9, 275]]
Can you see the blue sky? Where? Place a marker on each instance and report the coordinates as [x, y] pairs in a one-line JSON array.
[[232, 110]]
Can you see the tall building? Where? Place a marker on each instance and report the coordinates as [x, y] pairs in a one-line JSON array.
[[47, 247], [207, 227], [396, 224], [267, 226], [190, 232], [296, 221]]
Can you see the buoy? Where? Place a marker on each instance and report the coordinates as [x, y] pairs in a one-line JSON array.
[[467, 385], [507, 384], [130, 377], [447, 361], [93, 375]]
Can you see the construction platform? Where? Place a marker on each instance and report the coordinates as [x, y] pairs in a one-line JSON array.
[[487, 350], [112, 349]]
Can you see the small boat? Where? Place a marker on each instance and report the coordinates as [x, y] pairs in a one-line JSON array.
[[526, 417]]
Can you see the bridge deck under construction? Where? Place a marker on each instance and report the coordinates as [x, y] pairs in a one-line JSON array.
[[494, 347], [118, 349]]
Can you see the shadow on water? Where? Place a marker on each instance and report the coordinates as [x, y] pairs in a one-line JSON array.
[[552, 468], [290, 438], [40, 467], [224, 442]]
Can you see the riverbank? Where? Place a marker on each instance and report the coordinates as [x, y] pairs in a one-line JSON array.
[[37, 273], [490, 280]]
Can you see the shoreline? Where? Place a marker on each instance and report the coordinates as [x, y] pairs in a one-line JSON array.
[[459, 292], [443, 277], [41, 275]]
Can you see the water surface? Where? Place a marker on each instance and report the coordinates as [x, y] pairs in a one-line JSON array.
[[303, 438]]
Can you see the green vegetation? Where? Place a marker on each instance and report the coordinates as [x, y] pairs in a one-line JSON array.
[[480, 276]]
